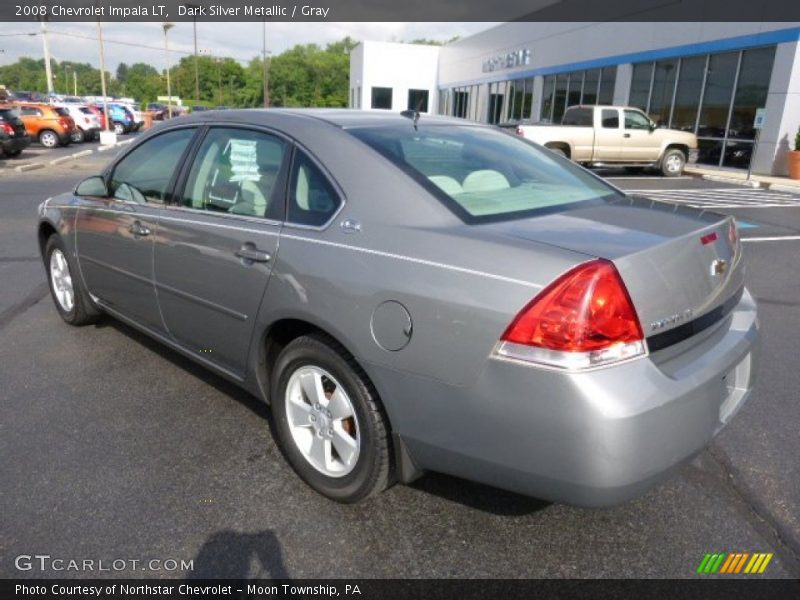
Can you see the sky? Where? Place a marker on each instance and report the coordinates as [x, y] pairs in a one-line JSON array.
[[242, 41]]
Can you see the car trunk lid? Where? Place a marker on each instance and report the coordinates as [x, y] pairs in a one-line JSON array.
[[678, 263]]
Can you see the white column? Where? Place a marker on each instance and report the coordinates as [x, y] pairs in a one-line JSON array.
[[538, 89], [622, 85], [783, 112]]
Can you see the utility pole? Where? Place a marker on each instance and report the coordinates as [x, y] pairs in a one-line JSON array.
[[195, 8], [103, 76], [47, 68], [264, 58], [167, 26], [74, 83], [218, 60]]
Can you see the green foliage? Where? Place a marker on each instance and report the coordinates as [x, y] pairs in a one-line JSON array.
[[306, 75], [797, 140]]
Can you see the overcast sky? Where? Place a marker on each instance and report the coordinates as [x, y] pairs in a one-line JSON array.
[[238, 40]]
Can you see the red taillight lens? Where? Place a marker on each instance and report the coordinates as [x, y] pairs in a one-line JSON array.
[[8, 128], [587, 311], [520, 132]]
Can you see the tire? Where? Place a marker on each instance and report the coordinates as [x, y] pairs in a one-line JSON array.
[[78, 136], [57, 262], [673, 162], [319, 362], [119, 128], [13, 153], [48, 138]]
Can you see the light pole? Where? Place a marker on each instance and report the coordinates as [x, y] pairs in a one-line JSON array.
[[48, 70], [167, 26], [264, 58], [103, 78], [218, 60], [195, 8]]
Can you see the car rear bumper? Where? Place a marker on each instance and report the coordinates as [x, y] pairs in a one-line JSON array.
[[16, 143], [595, 438]]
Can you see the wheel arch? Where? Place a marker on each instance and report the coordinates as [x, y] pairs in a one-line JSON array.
[[45, 230], [563, 146], [676, 146]]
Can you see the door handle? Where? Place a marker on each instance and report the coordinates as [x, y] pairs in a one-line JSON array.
[[250, 254], [627, 135], [138, 229]]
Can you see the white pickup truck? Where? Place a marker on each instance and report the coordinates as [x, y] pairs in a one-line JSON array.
[[619, 136]]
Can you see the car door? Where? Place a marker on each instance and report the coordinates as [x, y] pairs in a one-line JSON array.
[[217, 243], [608, 135], [114, 234], [638, 143]]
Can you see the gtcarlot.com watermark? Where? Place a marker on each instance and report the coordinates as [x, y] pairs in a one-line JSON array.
[[47, 563]]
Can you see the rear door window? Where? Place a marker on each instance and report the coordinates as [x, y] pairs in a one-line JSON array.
[[610, 118], [482, 173]]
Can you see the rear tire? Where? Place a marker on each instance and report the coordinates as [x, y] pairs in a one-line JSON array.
[[329, 420], [78, 136], [48, 138], [119, 128], [673, 162], [70, 297]]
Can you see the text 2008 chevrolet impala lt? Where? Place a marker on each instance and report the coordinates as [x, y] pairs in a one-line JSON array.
[[418, 293]]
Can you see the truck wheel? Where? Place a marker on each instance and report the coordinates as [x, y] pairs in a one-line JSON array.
[[672, 163]]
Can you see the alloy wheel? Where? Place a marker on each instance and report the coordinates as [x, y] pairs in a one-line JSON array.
[[61, 280], [322, 421]]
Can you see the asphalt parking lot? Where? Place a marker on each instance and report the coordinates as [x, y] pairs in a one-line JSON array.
[[114, 447], [36, 153]]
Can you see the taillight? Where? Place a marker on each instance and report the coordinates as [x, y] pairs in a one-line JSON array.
[[8, 128], [520, 132], [585, 318]]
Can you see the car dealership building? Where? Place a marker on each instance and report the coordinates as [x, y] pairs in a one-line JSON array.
[[708, 78]]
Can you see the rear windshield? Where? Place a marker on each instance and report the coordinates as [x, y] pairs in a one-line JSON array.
[[483, 174]]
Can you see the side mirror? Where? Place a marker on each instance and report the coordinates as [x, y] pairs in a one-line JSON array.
[[653, 126], [93, 186]]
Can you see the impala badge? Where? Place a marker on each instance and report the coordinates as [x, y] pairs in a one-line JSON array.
[[718, 267]]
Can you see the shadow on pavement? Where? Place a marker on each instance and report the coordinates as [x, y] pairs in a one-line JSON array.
[[230, 555]]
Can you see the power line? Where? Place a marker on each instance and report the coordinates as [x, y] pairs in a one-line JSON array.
[[118, 42]]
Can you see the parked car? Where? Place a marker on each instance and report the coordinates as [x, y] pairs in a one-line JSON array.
[[619, 136], [122, 120], [87, 125], [97, 111], [159, 110], [413, 295], [13, 137], [50, 125], [138, 117]]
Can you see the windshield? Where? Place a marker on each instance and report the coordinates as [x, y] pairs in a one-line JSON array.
[[483, 174]]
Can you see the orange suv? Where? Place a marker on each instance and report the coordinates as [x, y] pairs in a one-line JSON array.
[[51, 125]]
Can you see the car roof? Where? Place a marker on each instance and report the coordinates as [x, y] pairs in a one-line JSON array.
[[340, 117]]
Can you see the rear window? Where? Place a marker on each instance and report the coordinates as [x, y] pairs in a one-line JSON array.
[[483, 174], [581, 117], [85, 110], [9, 114], [61, 111]]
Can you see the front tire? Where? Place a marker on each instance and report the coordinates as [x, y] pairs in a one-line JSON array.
[[673, 162], [329, 420], [70, 297], [78, 136]]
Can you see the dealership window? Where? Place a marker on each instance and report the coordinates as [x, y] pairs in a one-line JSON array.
[[461, 102], [591, 87], [510, 100], [714, 96], [418, 100], [382, 97]]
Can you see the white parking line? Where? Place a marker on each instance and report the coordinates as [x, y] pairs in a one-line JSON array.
[[724, 197], [776, 238]]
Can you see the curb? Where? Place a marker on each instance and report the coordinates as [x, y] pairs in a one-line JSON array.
[[780, 187], [752, 183], [30, 167]]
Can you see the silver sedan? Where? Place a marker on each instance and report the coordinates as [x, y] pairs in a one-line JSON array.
[[413, 293]]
